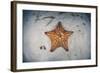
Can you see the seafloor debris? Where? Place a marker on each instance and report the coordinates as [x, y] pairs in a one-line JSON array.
[[51, 19], [61, 12], [77, 25], [81, 17], [84, 24], [37, 18], [79, 30], [43, 47], [72, 14], [40, 47]]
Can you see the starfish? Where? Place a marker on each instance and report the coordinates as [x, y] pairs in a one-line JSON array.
[[59, 37]]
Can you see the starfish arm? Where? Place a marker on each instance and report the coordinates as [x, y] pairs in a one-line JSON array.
[[65, 40], [59, 27], [54, 40], [65, 45], [68, 33], [54, 43]]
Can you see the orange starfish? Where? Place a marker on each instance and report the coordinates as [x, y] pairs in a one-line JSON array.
[[59, 37]]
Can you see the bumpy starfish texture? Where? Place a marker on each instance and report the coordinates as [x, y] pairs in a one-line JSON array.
[[59, 37]]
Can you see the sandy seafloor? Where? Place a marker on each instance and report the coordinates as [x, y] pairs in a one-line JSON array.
[[35, 23]]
